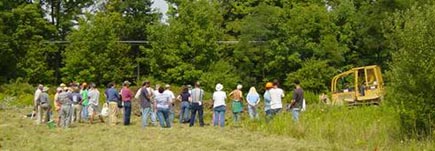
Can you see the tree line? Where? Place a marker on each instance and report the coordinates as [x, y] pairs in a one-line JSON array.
[[309, 40]]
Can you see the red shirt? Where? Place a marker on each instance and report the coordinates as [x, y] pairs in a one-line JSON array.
[[126, 94]]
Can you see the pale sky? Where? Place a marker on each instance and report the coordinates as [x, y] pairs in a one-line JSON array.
[[162, 6]]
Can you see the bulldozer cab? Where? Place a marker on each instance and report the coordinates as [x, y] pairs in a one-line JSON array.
[[362, 85]]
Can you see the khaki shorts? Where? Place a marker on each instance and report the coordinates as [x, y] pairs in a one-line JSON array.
[[93, 108]]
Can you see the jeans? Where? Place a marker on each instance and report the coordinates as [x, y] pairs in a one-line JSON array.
[[163, 115], [275, 111], [65, 115], [171, 113], [295, 113], [85, 112], [252, 112], [197, 108], [219, 116], [154, 116], [184, 111], [127, 112], [145, 114]]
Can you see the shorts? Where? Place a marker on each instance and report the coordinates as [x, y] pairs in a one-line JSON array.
[[93, 108]]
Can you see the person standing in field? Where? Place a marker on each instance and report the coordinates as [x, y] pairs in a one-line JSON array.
[[237, 107], [185, 99], [44, 107], [298, 97], [94, 98], [127, 95], [77, 105], [219, 106], [113, 99], [85, 101], [35, 99], [197, 101], [162, 103], [276, 95], [57, 105], [171, 106], [145, 103], [65, 110], [253, 98], [267, 100]]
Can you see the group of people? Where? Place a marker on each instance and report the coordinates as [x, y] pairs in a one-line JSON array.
[[80, 102]]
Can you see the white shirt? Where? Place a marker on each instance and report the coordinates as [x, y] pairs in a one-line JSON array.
[[170, 93], [37, 93], [219, 98], [276, 95], [94, 96]]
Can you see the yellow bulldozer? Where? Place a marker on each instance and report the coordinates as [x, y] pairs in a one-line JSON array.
[[358, 86]]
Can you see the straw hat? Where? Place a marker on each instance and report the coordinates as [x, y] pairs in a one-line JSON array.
[[219, 87]]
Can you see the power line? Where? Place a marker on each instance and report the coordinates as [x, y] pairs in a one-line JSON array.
[[143, 42]]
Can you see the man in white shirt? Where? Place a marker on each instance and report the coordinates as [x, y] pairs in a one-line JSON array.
[[171, 107], [35, 99], [276, 95], [219, 97], [94, 98]]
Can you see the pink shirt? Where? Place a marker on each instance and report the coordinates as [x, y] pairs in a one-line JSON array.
[[126, 94]]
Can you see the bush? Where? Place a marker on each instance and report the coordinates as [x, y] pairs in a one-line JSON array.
[[16, 93], [412, 74]]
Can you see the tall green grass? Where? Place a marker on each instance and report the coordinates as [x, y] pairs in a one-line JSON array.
[[366, 127]]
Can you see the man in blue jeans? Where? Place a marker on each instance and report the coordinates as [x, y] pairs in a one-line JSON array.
[[126, 95], [145, 103], [197, 96], [185, 99], [298, 97]]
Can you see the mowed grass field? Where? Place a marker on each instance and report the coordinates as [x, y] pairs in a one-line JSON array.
[[20, 133]]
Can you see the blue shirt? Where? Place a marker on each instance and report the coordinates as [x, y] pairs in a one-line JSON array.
[[252, 98], [112, 95]]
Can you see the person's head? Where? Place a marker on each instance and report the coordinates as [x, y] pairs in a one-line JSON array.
[[126, 83], [252, 90], [146, 84], [185, 89], [84, 85], [161, 89], [167, 86], [275, 83], [297, 83], [189, 87], [269, 85], [197, 84], [76, 90], [58, 89], [111, 85], [219, 87], [239, 87], [65, 89], [62, 85], [40, 86], [92, 86], [157, 86]]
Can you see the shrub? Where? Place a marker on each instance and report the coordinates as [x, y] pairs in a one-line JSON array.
[[412, 74]]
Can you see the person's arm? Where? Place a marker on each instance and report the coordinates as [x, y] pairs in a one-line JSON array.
[[258, 100], [179, 98]]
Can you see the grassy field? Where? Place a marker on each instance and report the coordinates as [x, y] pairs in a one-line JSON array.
[[332, 129], [20, 133]]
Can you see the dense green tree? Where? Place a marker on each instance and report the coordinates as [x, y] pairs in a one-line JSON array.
[[95, 54], [23, 51], [412, 74], [183, 50]]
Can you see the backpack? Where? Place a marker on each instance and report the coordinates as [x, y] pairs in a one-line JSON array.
[[64, 99]]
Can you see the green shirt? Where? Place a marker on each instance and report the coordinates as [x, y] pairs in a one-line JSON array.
[[85, 97]]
